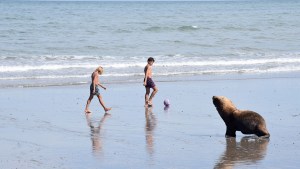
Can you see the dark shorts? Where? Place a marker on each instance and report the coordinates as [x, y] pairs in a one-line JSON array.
[[96, 90], [150, 83]]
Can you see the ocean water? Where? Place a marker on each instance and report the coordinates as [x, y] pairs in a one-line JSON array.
[[61, 43]]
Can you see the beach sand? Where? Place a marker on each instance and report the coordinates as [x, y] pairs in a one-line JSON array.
[[47, 128]]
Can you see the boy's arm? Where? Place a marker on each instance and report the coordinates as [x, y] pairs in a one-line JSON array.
[[146, 75], [145, 80], [101, 86], [97, 82], [94, 82]]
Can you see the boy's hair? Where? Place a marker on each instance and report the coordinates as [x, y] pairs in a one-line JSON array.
[[100, 70], [151, 59]]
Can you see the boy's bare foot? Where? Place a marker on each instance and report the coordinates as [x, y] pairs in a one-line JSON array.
[[107, 109], [87, 111]]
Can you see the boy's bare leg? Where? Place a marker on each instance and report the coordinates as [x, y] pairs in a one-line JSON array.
[[155, 90], [102, 104], [147, 96], [87, 110]]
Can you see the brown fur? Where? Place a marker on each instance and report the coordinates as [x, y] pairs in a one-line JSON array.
[[248, 122]]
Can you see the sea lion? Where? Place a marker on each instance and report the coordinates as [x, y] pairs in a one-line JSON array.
[[248, 122]]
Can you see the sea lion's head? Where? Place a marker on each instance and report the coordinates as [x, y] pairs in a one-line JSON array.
[[223, 104]]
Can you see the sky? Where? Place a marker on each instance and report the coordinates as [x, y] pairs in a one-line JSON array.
[[120, 0]]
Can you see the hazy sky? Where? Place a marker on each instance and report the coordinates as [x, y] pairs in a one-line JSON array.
[[121, 0]]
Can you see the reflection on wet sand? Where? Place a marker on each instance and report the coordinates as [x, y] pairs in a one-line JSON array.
[[248, 151], [166, 108], [149, 130], [95, 132]]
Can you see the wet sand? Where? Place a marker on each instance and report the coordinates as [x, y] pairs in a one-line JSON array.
[[47, 127]]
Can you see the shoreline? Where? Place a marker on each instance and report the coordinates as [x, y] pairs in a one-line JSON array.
[[195, 78]]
